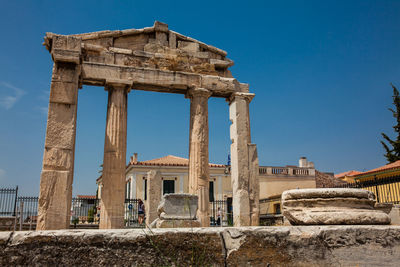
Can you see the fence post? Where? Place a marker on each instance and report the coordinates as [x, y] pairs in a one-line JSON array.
[[15, 200], [376, 188], [15, 222], [21, 214]]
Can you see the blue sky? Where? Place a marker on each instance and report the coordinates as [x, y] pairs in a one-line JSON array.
[[321, 72]]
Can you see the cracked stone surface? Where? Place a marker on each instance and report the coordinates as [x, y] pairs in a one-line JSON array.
[[332, 206], [353, 245]]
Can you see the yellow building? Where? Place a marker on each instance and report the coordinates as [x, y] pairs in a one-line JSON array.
[[384, 181], [347, 176]]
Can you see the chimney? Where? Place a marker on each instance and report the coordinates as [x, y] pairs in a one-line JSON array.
[[134, 158], [303, 162]]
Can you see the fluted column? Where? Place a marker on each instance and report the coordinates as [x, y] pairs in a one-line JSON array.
[[54, 208], [113, 191], [244, 160], [199, 173]]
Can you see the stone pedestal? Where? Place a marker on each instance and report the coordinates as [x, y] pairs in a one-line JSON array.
[[199, 173], [59, 150], [113, 190], [153, 195], [244, 160], [177, 211], [331, 206]]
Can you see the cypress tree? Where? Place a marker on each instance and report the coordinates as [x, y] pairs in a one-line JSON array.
[[393, 154]]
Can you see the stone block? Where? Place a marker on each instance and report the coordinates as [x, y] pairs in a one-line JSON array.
[[61, 126], [177, 223], [160, 26], [65, 72], [354, 245], [58, 158], [331, 206], [66, 42], [188, 46], [395, 215], [178, 207], [54, 199], [172, 40], [66, 49], [63, 92]]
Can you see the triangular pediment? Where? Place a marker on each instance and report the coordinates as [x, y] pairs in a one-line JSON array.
[[154, 47]]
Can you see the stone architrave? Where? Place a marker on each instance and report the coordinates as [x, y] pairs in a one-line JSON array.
[[113, 190], [59, 150], [244, 162], [332, 206], [199, 173], [153, 195]]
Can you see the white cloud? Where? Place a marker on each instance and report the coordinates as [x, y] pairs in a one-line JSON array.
[[2, 175], [8, 98]]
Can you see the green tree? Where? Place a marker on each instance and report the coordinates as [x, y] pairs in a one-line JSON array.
[[393, 154]]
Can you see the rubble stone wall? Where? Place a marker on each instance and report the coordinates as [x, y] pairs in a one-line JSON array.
[[241, 246]]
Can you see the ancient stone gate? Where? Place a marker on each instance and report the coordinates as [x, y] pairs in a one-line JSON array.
[[151, 59]]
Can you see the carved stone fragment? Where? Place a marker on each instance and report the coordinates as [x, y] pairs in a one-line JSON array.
[[331, 206], [177, 210]]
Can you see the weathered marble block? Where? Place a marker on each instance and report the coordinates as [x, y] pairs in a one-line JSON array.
[[331, 206], [178, 206], [176, 211]]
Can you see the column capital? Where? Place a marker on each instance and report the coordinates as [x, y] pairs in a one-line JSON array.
[[196, 92], [247, 96], [119, 83]]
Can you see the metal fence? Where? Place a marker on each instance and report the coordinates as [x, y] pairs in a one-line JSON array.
[[27, 207], [386, 190], [8, 201], [84, 210], [87, 210], [131, 213], [219, 214]]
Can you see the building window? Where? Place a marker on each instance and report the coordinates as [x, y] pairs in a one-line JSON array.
[[128, 190], [277, 208], [168, 187], [211, 191], [145, 189]]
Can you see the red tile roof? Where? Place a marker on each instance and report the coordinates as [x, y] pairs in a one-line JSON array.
[[170, 160], [86, 196], [348, 173], [390, 166]]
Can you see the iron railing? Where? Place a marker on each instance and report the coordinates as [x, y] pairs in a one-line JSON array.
[[87, 211], [386, 190], [131, 217], [219, 215], [84, 210], [8, 201]]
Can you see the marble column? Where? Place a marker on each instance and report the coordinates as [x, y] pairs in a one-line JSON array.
[[244, 162], [199, 173], [54, 208], [113, 191]]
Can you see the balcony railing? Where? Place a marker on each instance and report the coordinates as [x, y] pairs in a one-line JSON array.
[[287, 171]]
